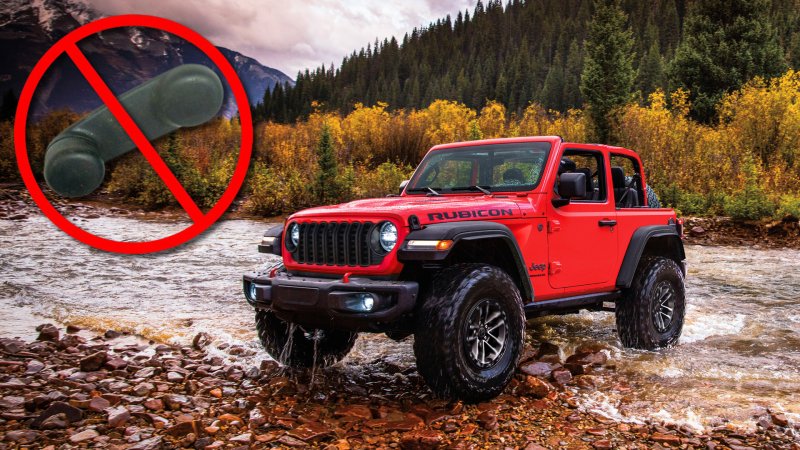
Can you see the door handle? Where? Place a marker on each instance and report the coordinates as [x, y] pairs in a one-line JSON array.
[[607, 223]]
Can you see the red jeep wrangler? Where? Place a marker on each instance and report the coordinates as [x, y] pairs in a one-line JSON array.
[[484, 235]]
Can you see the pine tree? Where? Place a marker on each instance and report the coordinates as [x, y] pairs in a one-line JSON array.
[[572, 77], [608, 74], [326, 188], [726, 43], [650, 75]]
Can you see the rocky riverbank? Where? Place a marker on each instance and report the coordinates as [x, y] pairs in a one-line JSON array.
[[16, 204], [71, 390]]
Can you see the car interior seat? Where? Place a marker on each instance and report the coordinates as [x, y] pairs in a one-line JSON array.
[[513, 176], [624, 196]]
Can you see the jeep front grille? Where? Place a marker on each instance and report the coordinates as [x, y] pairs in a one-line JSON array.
[[336, 244]]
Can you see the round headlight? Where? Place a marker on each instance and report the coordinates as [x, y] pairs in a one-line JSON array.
[[294, 234], [388, 236]]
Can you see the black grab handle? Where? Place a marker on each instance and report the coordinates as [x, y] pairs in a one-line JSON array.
[[185, 96]]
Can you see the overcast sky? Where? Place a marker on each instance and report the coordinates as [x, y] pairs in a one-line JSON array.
[[293, 35]]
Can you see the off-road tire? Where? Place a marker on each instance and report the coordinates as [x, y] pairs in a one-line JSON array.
[[637, 324], [442, 328], [274, 333], [652, 198]]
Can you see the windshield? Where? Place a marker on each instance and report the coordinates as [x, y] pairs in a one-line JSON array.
[[495, 168]]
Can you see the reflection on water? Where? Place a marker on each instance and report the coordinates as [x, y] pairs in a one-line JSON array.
[[740, 348]]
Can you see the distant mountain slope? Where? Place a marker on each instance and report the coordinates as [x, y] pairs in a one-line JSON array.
[[123, 57]]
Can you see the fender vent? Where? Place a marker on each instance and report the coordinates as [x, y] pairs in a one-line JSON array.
[[336, 244]]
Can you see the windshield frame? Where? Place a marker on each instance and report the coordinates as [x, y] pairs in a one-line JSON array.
[[466, 149]]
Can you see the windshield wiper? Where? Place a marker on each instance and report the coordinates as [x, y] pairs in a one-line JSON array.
[[473, 188], [432, 192]]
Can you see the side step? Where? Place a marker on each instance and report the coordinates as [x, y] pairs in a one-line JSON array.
[[568, 305]]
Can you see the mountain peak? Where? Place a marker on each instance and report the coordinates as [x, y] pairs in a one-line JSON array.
[[124, 57]]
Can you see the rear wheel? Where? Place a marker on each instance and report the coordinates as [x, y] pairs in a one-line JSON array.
[[651, 312], [469, 332], [296, 346]]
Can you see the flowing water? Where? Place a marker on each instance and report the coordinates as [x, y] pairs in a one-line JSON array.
[[740, 349]]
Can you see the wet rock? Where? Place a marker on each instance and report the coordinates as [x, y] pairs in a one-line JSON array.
[[548, 348], [779, 419], [488, 420], [11, 402], [361, 412], [537, 369], [311, 432], [47, 332], [174, 377], [154, 404], [181, 429], [588, 359], [144, 389], [256, 418], [71, 413], [146, 372], [576, 369], [245, 438], [536, 387], [98, 404], [602, 444], [72, 329], [663, 438], [290, 442], [112, 334], [421, 439], [116, 364], [118, 417], [34, 366], [71, 341], [55, 422], [93, 362], [153, 443], [535, 446], [83, 436], [22, 436], [562, 376], [11, 345]]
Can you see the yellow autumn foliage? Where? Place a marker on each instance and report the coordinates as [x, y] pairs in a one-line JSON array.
[[753, 152]]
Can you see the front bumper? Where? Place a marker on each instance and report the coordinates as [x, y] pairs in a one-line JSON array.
[[321, 302]]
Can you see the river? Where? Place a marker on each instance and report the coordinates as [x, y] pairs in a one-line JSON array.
[[739, 353]]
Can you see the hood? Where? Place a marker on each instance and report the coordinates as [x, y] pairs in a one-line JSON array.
[[427, 209]]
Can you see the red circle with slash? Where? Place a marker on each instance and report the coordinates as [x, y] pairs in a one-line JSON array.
[[68, 45]]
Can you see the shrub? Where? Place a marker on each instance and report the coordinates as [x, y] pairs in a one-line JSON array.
[[381, 181], [751, 203], [789, 206], [693, 204], [274, 192]]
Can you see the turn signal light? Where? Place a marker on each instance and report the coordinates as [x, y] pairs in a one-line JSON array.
[[429, 245]]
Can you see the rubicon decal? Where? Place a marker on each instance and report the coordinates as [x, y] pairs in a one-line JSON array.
[[468, 214]]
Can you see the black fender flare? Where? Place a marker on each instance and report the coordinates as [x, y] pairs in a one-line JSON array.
[[639, 242], [466, 231], [275, 231]]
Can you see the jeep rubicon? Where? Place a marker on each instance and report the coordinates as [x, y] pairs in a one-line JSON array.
[[485, 235]]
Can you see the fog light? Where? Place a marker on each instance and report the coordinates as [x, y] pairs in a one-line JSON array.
[[360, 302], [251, 292]]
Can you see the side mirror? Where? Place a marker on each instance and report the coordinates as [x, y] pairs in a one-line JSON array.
[[403, 185], [571, 185]]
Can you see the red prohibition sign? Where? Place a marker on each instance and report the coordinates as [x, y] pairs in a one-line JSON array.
[[68, 45]]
